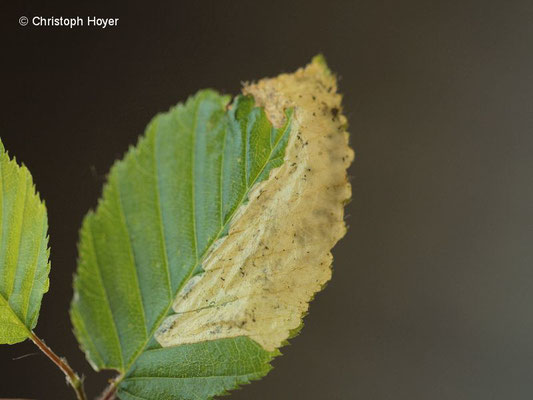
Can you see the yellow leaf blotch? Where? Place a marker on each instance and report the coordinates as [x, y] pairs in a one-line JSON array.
[[259, 279]]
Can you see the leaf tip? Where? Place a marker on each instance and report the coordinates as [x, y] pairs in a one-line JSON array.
[[320, 60]]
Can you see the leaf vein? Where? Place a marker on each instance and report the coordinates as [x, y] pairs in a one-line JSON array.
[[159, 214], [106, 297], [34, 271], [132, 257]]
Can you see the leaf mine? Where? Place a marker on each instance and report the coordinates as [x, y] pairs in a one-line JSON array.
[[259, 280]]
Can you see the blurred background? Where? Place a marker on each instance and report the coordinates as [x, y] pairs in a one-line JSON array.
[[432, 291]]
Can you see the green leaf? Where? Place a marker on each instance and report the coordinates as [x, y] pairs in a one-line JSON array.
[[163, 208], [24, 265], [183, 285]]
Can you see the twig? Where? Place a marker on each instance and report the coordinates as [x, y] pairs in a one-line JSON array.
[[72, 378]]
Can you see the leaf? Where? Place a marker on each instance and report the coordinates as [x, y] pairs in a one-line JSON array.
[[24, 264], [211, 237]]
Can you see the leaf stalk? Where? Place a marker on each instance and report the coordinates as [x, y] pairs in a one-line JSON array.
[[72, 377], [110, 392]]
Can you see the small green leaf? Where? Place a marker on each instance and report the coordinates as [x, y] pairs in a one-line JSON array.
[[24, 264], [211, 237]]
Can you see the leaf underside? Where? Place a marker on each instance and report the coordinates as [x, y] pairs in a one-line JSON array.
[[24, 265], [156, 255]]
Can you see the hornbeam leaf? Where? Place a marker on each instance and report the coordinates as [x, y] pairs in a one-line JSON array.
[[212, 236], [24, 264]]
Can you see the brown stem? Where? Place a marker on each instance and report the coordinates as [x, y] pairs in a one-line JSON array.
[[72, 378]]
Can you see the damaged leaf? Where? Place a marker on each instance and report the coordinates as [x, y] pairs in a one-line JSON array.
[[24, 265], [212, 236]]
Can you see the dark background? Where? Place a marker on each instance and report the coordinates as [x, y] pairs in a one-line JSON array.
[[433, 287]]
